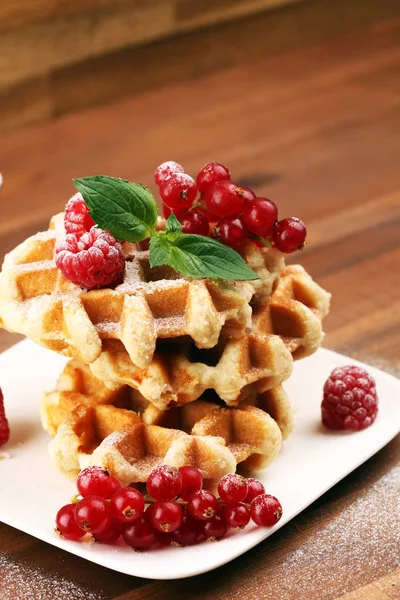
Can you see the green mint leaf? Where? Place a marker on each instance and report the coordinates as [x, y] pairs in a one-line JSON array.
[[127, 210], [172, 226], [199, 256], [159, 250]]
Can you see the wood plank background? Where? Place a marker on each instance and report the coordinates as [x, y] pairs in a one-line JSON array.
[[57, 56], [316, 130]]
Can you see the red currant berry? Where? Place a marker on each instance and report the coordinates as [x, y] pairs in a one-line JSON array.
[[214, 529], [167, 211], [232, 488], [166, 169], [192, 480], [178, 191], [194, 222], [265, 510], [93, 514], [237, 515], [225, 198], [254, 489], [289, 235], [248, 195], [209, 174], [147, 512], [164, 483], [110, 534], [166, 516], [140, 534], [96, 481], [202, 505], [66, 526], [231, 232], [259, 216], [187, 533], [127, 505]]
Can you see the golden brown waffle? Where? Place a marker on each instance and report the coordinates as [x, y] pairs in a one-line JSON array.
[[120, 431], [151, 304], [235, 368], [294, 312], [289, 322]]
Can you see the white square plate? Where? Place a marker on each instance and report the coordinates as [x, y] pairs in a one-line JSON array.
[[311, 461]]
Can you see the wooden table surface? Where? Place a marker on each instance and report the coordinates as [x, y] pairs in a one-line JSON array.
[[318, 132]]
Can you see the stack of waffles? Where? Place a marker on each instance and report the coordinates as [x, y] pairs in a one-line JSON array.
[[165, 369]]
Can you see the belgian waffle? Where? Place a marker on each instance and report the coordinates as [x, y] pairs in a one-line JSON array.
[[294, 312], [235, 368], [289, 323], [121, 431], [150, 304]]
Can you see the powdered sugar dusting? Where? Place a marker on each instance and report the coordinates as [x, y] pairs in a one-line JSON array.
[[364, 533], [21, 582]]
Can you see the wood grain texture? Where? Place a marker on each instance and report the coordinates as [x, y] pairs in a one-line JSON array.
[[95, 52], [317, 131], [386, 588], [56, 34]]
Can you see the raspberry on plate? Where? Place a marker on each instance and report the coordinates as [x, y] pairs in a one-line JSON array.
[[76, 217], [4, 427], [91, 261], [350, 400]]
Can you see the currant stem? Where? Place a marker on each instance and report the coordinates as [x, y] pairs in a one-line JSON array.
[[265, 242]]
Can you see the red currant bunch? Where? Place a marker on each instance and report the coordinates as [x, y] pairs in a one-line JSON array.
[[235, 212], [179, 512]]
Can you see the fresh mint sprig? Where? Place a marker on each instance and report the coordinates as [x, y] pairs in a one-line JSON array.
[[196, 255], [129, 212]]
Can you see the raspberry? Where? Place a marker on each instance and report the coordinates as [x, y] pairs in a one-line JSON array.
[[76, 217], [4, 427], [91, 261], [350, 400]]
